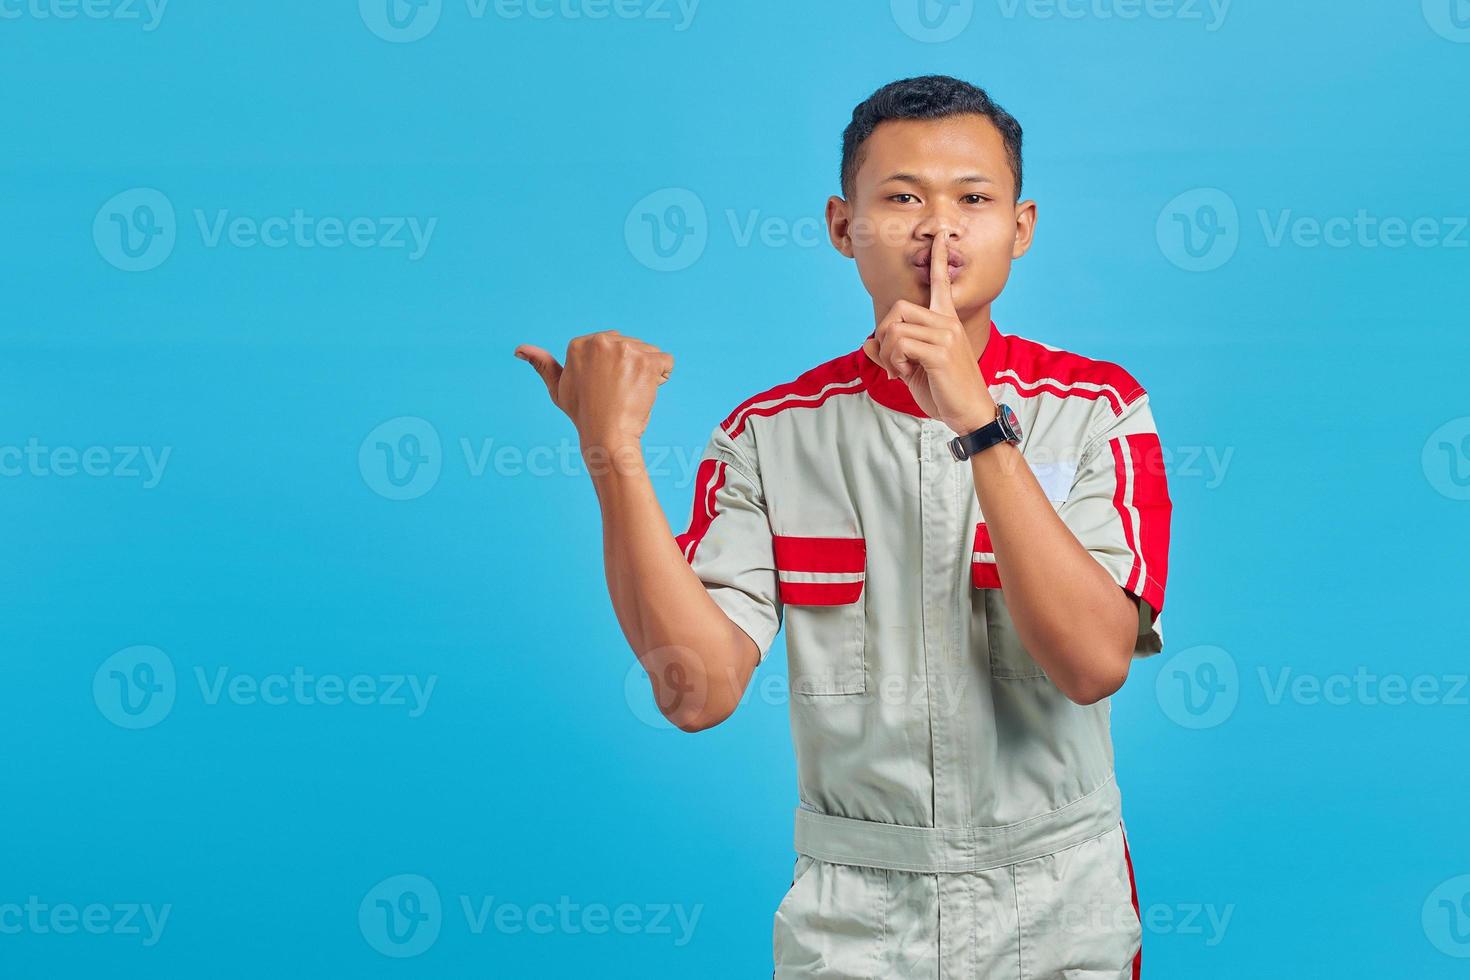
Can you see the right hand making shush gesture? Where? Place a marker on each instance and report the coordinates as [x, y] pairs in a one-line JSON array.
[[607, 387], [928, 349]]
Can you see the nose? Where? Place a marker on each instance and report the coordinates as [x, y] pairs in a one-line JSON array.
[[935, 225]]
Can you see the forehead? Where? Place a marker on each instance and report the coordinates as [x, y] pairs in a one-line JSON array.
[[935, 150]]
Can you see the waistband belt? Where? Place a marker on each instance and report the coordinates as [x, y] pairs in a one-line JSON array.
[[929, 850]]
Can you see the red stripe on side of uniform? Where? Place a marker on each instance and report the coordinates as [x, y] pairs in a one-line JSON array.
[[798, 393], [796, 554], [984, 574], [707, 481], [821, 593], [1133, 887], [1142, 501]]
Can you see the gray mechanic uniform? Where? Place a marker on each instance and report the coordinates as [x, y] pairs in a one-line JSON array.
[[958, 814]]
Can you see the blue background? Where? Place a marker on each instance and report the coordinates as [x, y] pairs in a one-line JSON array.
[[1332, 541]]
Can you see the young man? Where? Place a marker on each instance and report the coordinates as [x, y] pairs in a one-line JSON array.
[[966, 535]]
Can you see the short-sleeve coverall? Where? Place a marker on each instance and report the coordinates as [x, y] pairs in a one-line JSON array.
[[958, 814]]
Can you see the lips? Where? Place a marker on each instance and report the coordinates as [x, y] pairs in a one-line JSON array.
[[956, 260]]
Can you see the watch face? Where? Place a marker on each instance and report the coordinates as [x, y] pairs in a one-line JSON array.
[[1009, 421]]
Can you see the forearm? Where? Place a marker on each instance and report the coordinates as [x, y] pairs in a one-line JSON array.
[[1068, 612], [698, 659]]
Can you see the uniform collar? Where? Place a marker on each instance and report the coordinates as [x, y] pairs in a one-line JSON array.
[[895, 394]]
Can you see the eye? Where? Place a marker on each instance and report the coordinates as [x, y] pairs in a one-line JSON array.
[[895, 197], [976, 198]]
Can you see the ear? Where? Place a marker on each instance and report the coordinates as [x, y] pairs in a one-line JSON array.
[[839, 225], [1025, 228]]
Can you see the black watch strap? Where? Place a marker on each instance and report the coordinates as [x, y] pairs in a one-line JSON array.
[[1005, 428]]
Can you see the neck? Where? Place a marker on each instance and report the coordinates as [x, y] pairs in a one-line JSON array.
[[977, 329]]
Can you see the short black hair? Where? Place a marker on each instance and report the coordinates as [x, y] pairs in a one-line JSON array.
[[925, 97]]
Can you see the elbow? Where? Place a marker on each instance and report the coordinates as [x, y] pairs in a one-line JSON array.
[[707, 690], [696, 721], [696, 714], [1106, 669], [699, 714], [1097, 684]]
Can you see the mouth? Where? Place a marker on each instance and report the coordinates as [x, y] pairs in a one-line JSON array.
[[955, 259], [926, 278]]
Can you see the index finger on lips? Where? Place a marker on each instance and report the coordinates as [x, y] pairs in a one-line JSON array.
[[941, 298]]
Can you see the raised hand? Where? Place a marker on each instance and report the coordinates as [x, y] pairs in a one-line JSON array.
[[608, 385]]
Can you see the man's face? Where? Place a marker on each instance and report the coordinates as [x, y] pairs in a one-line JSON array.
[[921, 178]]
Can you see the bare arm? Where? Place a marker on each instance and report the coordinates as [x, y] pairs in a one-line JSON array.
[[698, 660]]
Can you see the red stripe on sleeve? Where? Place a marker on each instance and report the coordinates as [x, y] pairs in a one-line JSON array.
[[1125, 515], [707, 482], [1151, 498], [1143, 502]]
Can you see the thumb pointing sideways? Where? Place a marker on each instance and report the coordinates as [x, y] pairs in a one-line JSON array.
[[545, 364]]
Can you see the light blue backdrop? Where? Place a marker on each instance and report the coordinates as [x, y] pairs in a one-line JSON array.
[[253, 674]]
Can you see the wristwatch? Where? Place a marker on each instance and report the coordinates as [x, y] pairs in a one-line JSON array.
[[1005, 428]]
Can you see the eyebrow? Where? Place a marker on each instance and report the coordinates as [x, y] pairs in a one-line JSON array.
[[911, 179]]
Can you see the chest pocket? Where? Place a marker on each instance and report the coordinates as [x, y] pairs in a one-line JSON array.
[[1008, 658], [821, 584]]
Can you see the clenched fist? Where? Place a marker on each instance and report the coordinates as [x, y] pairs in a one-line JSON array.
[[607, 386]]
